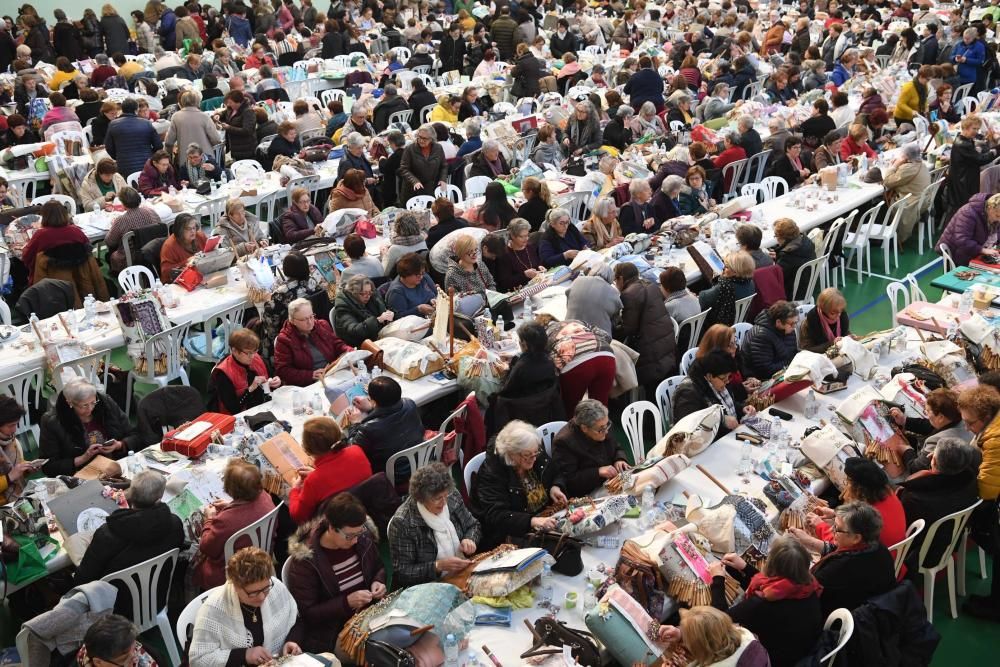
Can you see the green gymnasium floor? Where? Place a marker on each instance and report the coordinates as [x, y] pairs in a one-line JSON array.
[[965, 641]]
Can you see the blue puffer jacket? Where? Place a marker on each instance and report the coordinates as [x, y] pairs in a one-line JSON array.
[[168, 30], [646, 85], [767, 350], [131, 141], [239, 30], [975, 56]]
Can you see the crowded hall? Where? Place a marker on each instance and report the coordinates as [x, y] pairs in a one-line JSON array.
[[500, 333]]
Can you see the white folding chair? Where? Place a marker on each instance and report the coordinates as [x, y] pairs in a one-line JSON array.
[[403, 117], [417, 456], [449, 191], [425, 113], [961, 551], [472, 468], [547, 432], [756, 164], [133, 179], [65, 200], [894, 290], [885, 232], [267, 207], [751, 190], [901, 548], [419, 202], [185, 622], [130, 278], [857, 242], [741, 329], [846, 630], [217, 326], [26, 389], [476, 186], [247, 169], [402, 53], [165, 346], [4, 312], [693, 325], [743, 307], [664, 392], [633, 421], [211, 209], [814, 268], [92, 367], [576, 203], [686, 360], [731, 174], [260, 533], [773, 186], [947, 261], [287, 566], [142, 582], [945, 560], [310, 183]]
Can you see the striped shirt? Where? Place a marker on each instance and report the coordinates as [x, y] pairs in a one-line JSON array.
[[347, 568]]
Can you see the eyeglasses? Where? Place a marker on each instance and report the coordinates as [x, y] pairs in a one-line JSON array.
[[529, 456], [601, 429], [307, 318], [89, 405], [351, 537], [125, 663], [260, 592]]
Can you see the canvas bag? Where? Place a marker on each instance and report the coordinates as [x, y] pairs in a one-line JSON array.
[[828, 448], [691, 435]]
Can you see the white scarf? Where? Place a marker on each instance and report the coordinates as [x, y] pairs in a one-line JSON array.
[[445, 534]]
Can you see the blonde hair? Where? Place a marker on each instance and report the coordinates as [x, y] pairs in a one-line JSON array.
[[234, 205], [463, 244], [248, 566], [709, 635], [830, 298], [785, 229], [740, 263]]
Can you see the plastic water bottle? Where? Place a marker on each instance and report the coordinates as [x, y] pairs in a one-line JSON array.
[[965, 303], [86, 320], [471, 660], [450, 650], [605, 542], [500, 326], [225, 177], [135, 464], [240, 429], [487, 314], [746, 460], [527, 314], [774, 441], [545, 586], [812, 405], [589, 597]]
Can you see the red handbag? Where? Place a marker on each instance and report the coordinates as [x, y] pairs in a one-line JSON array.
[[365, 229], [193, 438], [189, 278]]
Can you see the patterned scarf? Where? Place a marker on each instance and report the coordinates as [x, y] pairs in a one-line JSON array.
[[780, 588], [830, 327]]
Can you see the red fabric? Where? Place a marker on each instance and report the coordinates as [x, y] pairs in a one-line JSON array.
[[236, 373], [770, 284], [292, 361], [211, 570], [472, 427], [725, 157], [779, 588], [335, 472], [849, 148], [594, 377], [46, 238]]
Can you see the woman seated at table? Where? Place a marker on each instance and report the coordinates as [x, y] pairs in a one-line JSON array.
[[638, 216], [334, 571], [337, 466], [943, 106], [782, 603], [109, 111], [536, 202], [446, 109], [735, 283], [101, 185], [584, 450], [519, 262], [305, 345], [794, 250], [496, 211], [465, 273], [241, 229], [186, 239], [790, 165], [490, 162], [666, 202], [249, 619], [14, 470], [135, 217], [707, 383], [602, 230], [516, 482], [407, 238], [818, 125], [286, 143], [583, 130], [944, 420], [680, 112], [826, 324], [412, 292], [712, 639], [694, 196], [57, 231], [111, 640], [198, 167], [351, 192], [548, 150], [561, 240], [856, 143], [302, 218], [432, 533], [157, 175], [646, 123], [242, 481], [237, 382], [359, 312], [81, 424]]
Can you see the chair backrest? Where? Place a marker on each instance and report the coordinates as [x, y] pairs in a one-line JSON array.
[[133, 179], [449, 191], [331, 94], [664, 392], [425, 113], [310, 183], [61, 139], [916, 294], [403, 117], [93, 367], [830, 238], [260, 533], [957, 520], [167, 344], [947, 261], [693, 325], [757, 163], [220, 324], [846, 620], [471, 468], [130, 278], [773, 186], [418, 456], [26, 389], [961, 92], [211, 209], [247, 168], [419, 202], [65, 200], [894, 214], [142, 582], [743, 307], [4, 311], [893, 290], [267, 207], [751, 190], [686, 360], [448, 426], [633, 421], [576, 204], [806, 276], [865, 223], [731, 173], [476, 186], [901, 548], [547, 432], [741, 329], [22, 190], [185, 622]]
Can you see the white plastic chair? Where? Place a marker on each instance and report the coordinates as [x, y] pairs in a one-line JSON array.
[[633, 420], [4, 312], [743, 307], [732, 174], [65, 200], [576, 203], [449, 191], [846, 630], [472, 468], [677, 126], [909, 288], [419, 202], [595, 49], [664, 392], [547, 432], [773, 186], [425, 113], [330, 95], [947, 261], [945, 561], [962, 548], [476, 186], [925, 213], [741, 329], [694, 325], [22, 190], [751, 190], [310, 183], [130, 278], [165, 344], [815, 268], [142, 582], [418, 456], [448, 426], [686, 360], [187, 618], [287, 566], [211, 209], [247, 169], [25, 388], [756, 164], [260, 533], [402, 53], [404, 117], [857, 242], [219, 325], [92, 367], [885, 232], [267, 207], [133, 179], [901, 548], [836, 232]]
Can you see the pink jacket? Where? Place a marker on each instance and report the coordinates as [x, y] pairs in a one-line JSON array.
[[210, 570]]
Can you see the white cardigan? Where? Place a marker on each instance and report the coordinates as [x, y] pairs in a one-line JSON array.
[[219, 628]]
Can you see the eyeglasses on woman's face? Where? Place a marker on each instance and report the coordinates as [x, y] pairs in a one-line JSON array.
[[352, 536], [258, 592]]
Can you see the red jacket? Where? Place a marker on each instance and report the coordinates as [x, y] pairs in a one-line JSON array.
[[211, 571], [335, 472], [733, 154], [47, 238], [292, 361], [237, 375], [893, 522], [849, 148]]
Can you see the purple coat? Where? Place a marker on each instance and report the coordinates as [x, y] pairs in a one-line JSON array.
[[967, 230]]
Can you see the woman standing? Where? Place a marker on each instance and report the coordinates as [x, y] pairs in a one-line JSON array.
[[186, 239], [115, 31], [913, 96], [793, 251], [423, 167], [645, 326]]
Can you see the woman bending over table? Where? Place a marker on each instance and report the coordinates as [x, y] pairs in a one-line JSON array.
[[584, 450], [360, 312], [712, 639]]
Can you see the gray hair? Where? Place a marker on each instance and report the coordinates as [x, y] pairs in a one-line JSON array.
[[672, 184], [357, 283], [679, 154], [589, 411], [517, 437], [429, 481], [718, 88], [911, 152], [775, 124], [681, 99], [970, 32], [555, 214], [637, 186], [491, 145], [428, 129], [79, 389], [604, 206], [745, 121], [390, 90], [861, 519], [297, 305], [787, 558], [355, 140], [601, 270], [473, 128], [518, 226], [194, 149], [951, 456], [146, 489], [647, 108], [407, 225], [625, 111]]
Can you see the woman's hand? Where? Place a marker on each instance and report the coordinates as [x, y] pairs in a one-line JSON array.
[[731, 422], [607, 472], [359, 599], [451, 564], [749, 410], [418, 186], [668, 633], [558, 496], [90, 453], [318, 374], [249, 247], [378, 590], [291, 648], [386, 317], [570, 254], [363, 403], [622, 466], [425, 309], [274, 382], [257, 655], [530, 273], [717, 569], [111, 446], [735, 562], [468, 547], [543, 523], [897, 416], [807, 540]]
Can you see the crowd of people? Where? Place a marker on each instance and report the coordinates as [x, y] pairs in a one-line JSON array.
[[233, 59]]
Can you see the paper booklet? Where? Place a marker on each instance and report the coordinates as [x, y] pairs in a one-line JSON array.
[[516, 560], [286, 455]]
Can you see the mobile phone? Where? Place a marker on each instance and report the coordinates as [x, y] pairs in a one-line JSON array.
[[37, 463], [780, 413]]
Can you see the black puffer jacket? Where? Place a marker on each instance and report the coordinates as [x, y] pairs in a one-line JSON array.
[[62, 436], [526, 73], [646, 328], [892, 630], [767, 350], [790, 256], [241, 137], [694, 394], [931, 496], [579, 458]]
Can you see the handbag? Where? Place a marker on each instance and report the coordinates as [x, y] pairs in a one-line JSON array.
[[691, 435], [365, 229], [638, 575], [828, 448], [189, 278], [565, 549], [548, 632], [384, 654]]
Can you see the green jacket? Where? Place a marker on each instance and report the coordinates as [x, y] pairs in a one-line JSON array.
[[355, 323]]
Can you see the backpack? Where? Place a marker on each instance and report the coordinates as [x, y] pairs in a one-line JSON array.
[[36, 112]]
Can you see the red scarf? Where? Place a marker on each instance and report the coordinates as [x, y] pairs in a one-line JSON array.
[[780, 588], [830, 327]]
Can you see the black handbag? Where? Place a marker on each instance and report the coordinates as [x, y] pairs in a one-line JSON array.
[[551, 635], [383, 654], [565, 549]]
